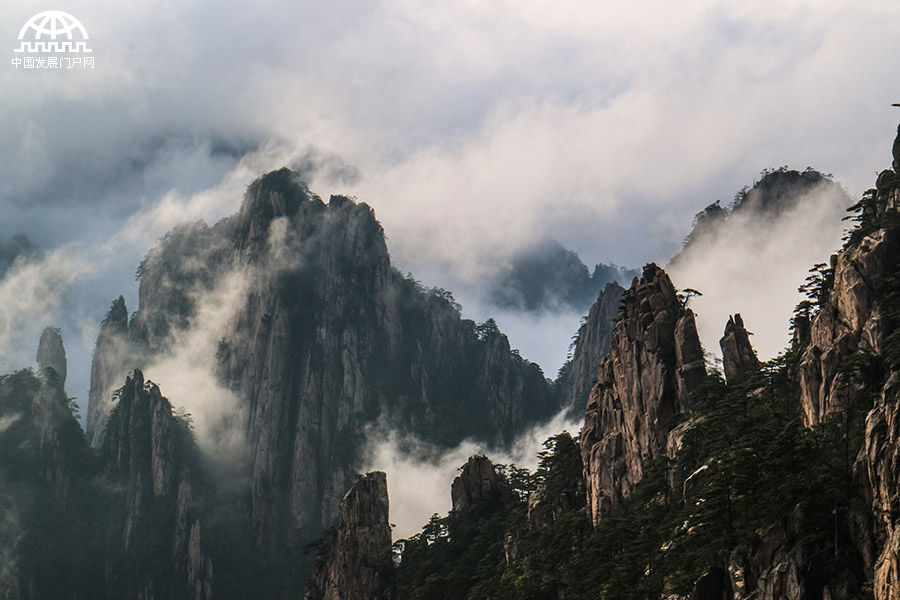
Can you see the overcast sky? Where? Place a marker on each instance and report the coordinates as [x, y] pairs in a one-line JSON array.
[[473, 128]]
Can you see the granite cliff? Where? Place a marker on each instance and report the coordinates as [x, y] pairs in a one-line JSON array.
[[642, 392], [592, 343], [327, 340], [356, 562]]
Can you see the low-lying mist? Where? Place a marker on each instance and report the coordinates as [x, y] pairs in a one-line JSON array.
[[419, 474]]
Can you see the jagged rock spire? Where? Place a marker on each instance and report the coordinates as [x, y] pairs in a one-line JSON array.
[[51, 356], [737, 354], [111, 354], [358, 560], [642, 390], [478, 482]]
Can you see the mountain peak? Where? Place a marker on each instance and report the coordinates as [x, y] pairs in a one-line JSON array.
[[51, 355], [276, 194]]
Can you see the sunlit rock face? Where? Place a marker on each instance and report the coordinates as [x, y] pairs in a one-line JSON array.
[[852, 318], [643, 389]]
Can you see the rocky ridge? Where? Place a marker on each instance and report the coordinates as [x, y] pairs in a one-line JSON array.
[[108, 368], [852, 319], [145, 450]]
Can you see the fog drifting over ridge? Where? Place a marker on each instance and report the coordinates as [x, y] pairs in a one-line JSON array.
[[753, 263], [471, 129]]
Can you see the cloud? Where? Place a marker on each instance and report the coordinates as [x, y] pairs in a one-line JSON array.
[[472, 128], [753, 265], [419, 475], [72, 285], [32, 293], [186, 374]]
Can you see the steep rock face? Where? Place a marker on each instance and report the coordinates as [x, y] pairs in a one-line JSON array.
[[881, 460], [326, 339], [357, 562], [738, 356], [643, 390], [45, 469], [478, 482], [591, 345], [145, 450], [51, 355], [49, 413], [108, 368], [782, 564], [851, 319]]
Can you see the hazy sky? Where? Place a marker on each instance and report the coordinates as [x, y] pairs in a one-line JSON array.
[[473, 128]]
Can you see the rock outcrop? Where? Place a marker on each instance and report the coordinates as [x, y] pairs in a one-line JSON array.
[[881, 459], [357, 562], [479, 483], [145, 451], [782, 563], [738, 357], [851, 319], [643, 390], [592, 343], [51, 356], [44, 460], [777, 192], [108, 368]]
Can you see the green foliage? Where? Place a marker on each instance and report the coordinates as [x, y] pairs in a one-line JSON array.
[[447, 296], [457, 556], [487, 330], [864, 214], [624, 301], [685, 296], [818, 284], [746, 463]]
